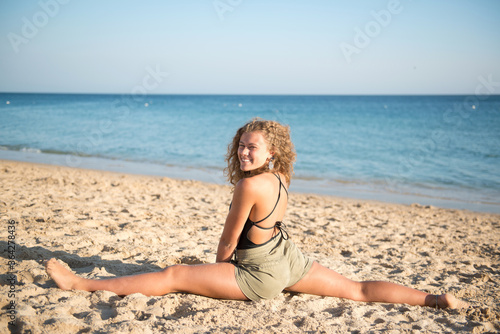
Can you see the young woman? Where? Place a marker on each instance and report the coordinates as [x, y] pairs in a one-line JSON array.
[[256, 259]]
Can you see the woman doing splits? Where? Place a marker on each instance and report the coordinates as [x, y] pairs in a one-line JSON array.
[[256, 259]]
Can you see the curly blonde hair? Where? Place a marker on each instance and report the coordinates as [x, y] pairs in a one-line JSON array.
[[277, 137]]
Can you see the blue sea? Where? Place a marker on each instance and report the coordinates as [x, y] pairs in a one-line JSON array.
[[432, 150]]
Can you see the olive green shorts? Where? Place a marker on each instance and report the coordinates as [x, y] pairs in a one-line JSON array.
[[263, 272]]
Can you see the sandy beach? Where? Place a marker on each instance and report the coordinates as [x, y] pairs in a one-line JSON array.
[[104, 224]]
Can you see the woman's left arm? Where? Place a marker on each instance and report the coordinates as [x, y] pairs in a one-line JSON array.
[[244, 197]]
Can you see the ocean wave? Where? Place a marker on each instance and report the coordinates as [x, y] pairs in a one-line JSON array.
[[27, 149], [20, 148], [31, 150]]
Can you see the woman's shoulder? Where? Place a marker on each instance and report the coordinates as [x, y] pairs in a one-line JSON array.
[[257, 183]]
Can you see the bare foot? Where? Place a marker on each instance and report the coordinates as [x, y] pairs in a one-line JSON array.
[[449, 301], [64, 278]]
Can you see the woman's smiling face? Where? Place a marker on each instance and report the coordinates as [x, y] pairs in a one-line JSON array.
[[252, 151]]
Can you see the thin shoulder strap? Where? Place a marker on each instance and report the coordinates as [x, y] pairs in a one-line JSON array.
[[281, 183], [275, 205]]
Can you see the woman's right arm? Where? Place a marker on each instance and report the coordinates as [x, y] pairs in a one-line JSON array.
[[244, 198]]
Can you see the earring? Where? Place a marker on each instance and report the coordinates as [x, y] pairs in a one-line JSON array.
[[271, 164]]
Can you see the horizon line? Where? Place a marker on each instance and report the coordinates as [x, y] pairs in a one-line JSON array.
[[244, 94]]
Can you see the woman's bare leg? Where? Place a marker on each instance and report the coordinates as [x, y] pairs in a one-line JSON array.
[[326, 282], [212, 280]]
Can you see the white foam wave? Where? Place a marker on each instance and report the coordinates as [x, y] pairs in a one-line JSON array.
[[30, 150]]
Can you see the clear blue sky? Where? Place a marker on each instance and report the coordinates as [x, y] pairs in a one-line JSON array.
[[249, 47]]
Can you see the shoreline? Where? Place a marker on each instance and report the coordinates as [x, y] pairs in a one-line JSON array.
[[107, 224], [354, 191]]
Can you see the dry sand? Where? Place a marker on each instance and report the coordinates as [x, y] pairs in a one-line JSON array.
[[107, 224]]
